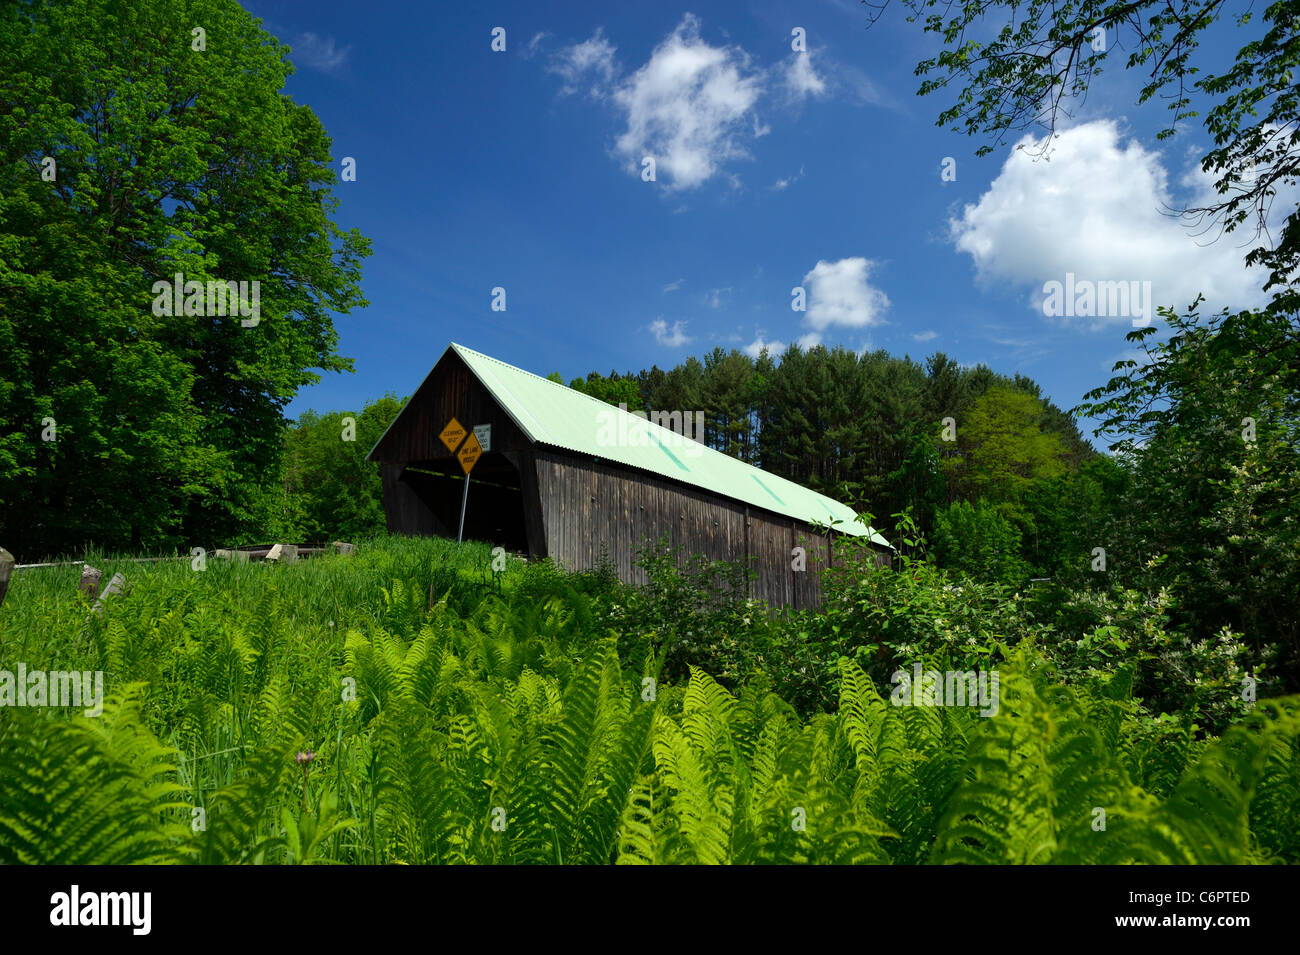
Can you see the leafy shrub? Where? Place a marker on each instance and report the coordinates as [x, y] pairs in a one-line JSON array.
[[886, 620], [978, 541], [691, 612], [1096, 630]]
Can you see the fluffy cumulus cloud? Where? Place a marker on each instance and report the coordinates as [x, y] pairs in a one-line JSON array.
[[837, 294], [691, 107], [673, 336], [841, 293], [1098, 208]]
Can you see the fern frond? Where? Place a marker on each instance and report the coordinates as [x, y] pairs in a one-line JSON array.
[[88, 790]]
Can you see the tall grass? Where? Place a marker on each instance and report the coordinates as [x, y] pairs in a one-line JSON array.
[[325, 711], [44, 617]]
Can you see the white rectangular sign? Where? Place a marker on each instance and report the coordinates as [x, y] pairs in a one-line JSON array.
[[484, 434]]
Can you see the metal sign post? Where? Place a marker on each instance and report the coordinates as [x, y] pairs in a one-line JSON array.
[[469, 454], [464, 498]]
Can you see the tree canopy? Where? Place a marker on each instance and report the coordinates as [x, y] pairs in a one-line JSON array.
[[142, 142]]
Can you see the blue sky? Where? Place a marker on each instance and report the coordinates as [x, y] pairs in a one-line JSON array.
[[522, 170]]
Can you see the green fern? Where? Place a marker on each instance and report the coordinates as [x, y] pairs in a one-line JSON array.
[[88, 791]]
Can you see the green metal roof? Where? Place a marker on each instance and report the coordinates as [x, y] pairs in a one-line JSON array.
[[554, 414]]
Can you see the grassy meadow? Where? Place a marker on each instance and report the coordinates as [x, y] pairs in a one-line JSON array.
[[326, 712]]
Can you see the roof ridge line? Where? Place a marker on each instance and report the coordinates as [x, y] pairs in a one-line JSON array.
[[651, 428], [625, 410]]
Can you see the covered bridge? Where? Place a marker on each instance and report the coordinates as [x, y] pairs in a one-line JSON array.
[[569, 476]]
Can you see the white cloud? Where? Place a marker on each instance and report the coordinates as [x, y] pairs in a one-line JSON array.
[[690, 107], [1203, 194], [927, 336], [592, 58], [673, 337], [755, 348], [715, 296], [674, 286], [1099, 209], [839, 293], [534, 45], [318, 52], [801, 79], [782, 184]]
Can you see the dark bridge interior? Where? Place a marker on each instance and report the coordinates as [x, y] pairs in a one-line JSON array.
[[495, 507]]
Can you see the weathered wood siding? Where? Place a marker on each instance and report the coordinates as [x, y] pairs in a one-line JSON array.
[[586, 504], [451, 390]]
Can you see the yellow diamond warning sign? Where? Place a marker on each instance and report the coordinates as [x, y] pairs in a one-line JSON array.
[[470, 453], [452, 435]]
